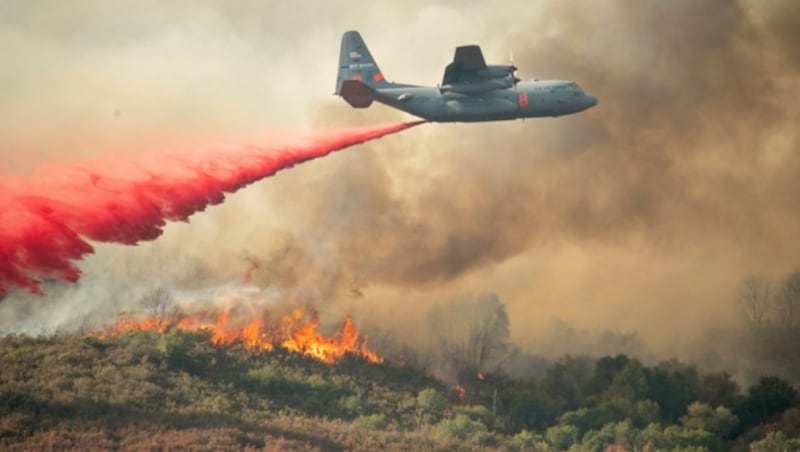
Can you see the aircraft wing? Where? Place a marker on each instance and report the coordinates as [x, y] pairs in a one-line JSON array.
[[467, 61]]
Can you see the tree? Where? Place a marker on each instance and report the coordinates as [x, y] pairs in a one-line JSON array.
[[621, 434], [531, 407], [766, 399], [562, 436], [489, 332], [637, 413], [569, 380], [678, 438], [718, 388], [160, 305], [473, 333], [773, 317], [673, 386], [630, 383], [719, 421], [605, 369], [787, 301], [527, 441], [754, 298], [775, 441]]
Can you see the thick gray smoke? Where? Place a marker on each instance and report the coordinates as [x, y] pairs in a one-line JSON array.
[[641, 215], [653, 206]]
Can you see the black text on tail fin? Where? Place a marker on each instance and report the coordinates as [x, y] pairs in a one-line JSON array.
[[356, 63]]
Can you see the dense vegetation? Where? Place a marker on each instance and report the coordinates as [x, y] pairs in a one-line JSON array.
[[145, 390]]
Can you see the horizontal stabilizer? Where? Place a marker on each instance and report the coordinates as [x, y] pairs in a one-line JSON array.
[[356, 93]]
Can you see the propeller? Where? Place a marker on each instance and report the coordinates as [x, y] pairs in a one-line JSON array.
[[513, 68]]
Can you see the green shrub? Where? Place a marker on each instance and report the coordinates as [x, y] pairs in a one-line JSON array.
[[621, 433], [618, 409], [527, 441], [562, 437], [372, 422], [463, 428], [719, 421], [679, 438], [431, 402], [349, 405], [476, 412], [775, 441]]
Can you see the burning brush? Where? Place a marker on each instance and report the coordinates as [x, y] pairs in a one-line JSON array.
[[295, 332]]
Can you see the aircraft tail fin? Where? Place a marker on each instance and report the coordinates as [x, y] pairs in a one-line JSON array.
[[356, 63], [356, 93]]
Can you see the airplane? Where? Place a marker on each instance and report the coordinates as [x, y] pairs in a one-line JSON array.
[[471, 90]]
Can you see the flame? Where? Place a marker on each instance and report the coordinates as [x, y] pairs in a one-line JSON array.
[[461, 392], [149, 324], [292, 332]]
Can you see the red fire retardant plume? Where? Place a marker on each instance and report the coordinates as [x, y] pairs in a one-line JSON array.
[[45, 221]]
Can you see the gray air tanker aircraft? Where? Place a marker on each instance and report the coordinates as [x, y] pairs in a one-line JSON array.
[[471, 90]]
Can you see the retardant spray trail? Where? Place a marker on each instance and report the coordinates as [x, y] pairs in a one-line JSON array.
[[45, 221]]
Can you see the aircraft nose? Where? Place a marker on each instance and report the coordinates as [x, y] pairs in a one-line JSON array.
[[591, 101]]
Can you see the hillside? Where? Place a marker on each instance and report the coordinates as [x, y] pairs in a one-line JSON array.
[[144, 390]]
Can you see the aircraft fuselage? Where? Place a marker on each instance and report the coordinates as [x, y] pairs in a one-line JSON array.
[[470, 91], [529, 99]]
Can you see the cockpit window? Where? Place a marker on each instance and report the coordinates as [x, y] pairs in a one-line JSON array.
[[574, 89]]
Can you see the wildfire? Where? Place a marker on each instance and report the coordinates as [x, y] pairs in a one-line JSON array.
[[461, 392], [292, 332]]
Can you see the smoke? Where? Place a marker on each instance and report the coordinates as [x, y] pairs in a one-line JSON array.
[[640, 216], [652, 206]]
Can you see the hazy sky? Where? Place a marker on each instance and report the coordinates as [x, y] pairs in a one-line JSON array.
[[642, 214]]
